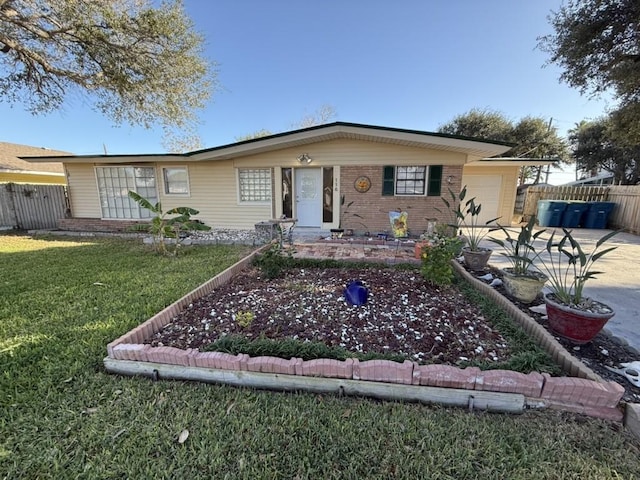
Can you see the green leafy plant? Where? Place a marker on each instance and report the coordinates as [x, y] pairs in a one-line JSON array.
[[274, 259], [163, 227], [244, 319], [465, 219], [520, 250], [436, 258], [289, 348], [569, 267]]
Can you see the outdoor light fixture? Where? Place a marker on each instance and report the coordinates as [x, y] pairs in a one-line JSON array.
[[449, 178], [305, 159]]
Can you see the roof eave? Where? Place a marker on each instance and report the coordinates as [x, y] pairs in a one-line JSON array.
[[512, 162], [475, 149]]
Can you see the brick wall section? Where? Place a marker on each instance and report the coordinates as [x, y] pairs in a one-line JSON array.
[[375, 208], [96, 225]]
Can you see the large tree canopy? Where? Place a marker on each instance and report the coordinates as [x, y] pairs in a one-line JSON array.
[[597, 43], [595, 148], [139, 63], [478, 123], [533, 137]]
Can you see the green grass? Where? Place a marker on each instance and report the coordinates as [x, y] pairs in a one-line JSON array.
[[62, 416]]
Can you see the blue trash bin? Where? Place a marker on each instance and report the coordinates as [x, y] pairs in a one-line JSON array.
[[598, 214], [572, 216], [550, 212]]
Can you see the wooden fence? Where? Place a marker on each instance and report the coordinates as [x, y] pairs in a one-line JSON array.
[[32, 206], [625, 215]]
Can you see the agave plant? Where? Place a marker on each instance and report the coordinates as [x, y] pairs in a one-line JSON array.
[[162, 226]]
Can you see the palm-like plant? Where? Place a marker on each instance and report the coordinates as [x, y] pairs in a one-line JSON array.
[[569, 267], [466, 218], [162, 226], [520, 250]]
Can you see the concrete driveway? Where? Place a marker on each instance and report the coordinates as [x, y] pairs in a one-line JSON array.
[[619, 284]]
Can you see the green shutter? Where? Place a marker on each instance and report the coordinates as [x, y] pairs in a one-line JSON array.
[[435, 181], [388, 180]]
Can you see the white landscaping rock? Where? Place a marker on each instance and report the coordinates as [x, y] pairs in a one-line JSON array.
[[541, 309]]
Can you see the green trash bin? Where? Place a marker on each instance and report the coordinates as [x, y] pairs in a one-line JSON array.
[[573, 215], [550, 212]]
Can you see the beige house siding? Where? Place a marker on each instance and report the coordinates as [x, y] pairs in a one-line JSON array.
[[355, 158], [345, 152], [213, 192], [213, 185], [508, 186], [83, 190]]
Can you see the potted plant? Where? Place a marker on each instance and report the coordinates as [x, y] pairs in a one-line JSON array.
[[521, 280], [571, 314], [466, 221]]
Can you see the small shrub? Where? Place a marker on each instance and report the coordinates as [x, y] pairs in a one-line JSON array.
[[436, 260], [244, 319], [274, 260], [163, 227]]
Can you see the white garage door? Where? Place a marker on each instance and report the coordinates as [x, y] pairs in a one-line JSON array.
[[486, 189]]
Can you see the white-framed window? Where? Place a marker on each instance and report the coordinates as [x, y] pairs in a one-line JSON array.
[[411, 180], [114, 184], [254, 185], [176, 180]]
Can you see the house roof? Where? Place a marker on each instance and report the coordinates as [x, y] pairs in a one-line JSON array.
[[515, 161], [474, 148], [12, 159]]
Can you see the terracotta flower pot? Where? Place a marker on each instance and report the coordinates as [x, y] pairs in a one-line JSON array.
[[417, 249], [523, 287], [476, 259], [578, 326]]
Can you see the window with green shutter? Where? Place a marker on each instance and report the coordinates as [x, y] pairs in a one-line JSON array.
[[434, 188], [388, 180]]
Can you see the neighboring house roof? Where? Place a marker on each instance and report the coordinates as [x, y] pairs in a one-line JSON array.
[[600, 179], [475, 149], [12, 159]]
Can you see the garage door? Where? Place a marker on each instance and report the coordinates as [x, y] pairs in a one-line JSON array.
[[486, 190]]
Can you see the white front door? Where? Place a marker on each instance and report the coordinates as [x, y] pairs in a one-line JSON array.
[[308, 193]]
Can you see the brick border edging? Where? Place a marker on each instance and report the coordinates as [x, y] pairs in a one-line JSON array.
[[590, 396], [544, 339]]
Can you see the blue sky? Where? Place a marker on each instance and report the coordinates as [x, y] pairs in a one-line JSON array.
[[412, 64]]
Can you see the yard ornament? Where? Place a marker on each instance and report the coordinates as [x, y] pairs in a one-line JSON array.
[[356, 293]]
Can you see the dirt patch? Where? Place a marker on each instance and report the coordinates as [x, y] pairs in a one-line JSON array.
[[403, 314]]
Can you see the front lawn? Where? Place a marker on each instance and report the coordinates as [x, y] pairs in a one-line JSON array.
[[62, 416]]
